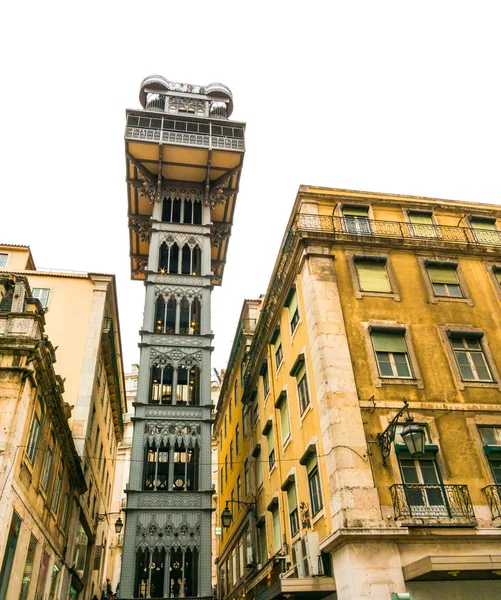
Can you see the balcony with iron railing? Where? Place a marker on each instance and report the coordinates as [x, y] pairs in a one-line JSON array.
[[347, 228], [433, 504], [493, 493], [185, 131]]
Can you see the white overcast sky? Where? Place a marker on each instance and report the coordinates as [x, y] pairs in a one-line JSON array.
[[382, 96]]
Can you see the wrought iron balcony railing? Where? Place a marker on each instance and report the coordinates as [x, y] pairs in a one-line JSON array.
[[493, 493], [361, 226], [442, 502]]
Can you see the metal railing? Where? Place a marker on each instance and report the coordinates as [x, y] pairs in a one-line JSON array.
[[493, 493], [361, 226], [432, 501]]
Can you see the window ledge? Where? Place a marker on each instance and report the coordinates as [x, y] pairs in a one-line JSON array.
[[360, 295], [401, 381], [436, 299], [479, 384]]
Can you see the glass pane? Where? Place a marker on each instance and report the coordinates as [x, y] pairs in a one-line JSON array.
[[409, 471], [454, 290], [435, 497], [439, 289], [428, 471], [457, 342], [401, 365], [481, 366], [464, 365], [385, 368], [473, 344]]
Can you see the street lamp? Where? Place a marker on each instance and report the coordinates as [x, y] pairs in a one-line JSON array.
[[227, 517], [119, 525], [412, 434]]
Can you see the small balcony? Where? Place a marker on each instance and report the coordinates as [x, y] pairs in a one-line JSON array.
[[493, 493], [347, 227], [433, 505]]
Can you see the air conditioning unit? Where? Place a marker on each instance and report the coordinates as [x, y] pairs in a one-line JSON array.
[[305, 553]]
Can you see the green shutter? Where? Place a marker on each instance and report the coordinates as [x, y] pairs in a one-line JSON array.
[[312, 463], [497, 273], [291, 497], [270, 440], [443, 274], [278, 341], [373, 276], [277, 541], [292, 305], [483, 224], [388, 342], [284, 420], [355, 211], [420, 218], [300, 372]]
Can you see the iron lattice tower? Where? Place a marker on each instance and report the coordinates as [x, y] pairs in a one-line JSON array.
[[183, 159]]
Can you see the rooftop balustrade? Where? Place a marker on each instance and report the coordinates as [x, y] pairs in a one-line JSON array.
[[350, 227]]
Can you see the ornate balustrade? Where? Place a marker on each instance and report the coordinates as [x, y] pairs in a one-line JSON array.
[[439, 502], [360, 226], [493, 493]]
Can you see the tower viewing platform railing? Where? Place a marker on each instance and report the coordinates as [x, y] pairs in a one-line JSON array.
[[346, 227], [173, 129]]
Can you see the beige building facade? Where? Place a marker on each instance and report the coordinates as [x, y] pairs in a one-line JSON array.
[[382, 313], [41, 477], [82, 322]]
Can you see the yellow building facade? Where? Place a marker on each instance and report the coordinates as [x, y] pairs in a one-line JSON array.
[[374, 299], [82, 322]]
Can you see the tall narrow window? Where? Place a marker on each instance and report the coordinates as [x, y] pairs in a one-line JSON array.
[[485, 231], [235, 392], [391, 354], [9, 553], [444, 280], [491, 437], [262, 546], [28, 568], [270, 440], [231, 455], [356, 220], [47, 462], [42, 294], [314, 484], [266, 378], [239, 490], [277, 536], [372, 274], [292, 304], [284, 417], [237, 439], [299, 372], [34, 435], [423, 490], [58, 488], [259, 470], [470, 357], [246, 478], [3, 259], [293, 513], [421, 224]]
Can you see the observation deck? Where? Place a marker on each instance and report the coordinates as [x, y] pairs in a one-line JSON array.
[[181, 143]]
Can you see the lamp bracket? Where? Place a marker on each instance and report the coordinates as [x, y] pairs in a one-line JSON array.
[[386, 439]]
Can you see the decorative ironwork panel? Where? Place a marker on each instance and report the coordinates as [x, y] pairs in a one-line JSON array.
[[169, 434], [163, 531], [493, 493], [176, 357], [432, 501]]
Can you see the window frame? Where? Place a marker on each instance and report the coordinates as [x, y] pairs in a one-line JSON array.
[[32, 446], [391, 326], [44, 304], [433, 224], [354, 257], [457, 330], [473, 230], [294, 319], [7, 256], [492, 269], [426, 261]]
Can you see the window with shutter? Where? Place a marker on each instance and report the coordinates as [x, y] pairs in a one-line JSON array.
[[444, 280], [277, 541], [314, 484], [422, 224], [356, 220], [391, 353], [470, 358], [372, 276], [284, 421], [485, 231], [293, 513]]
